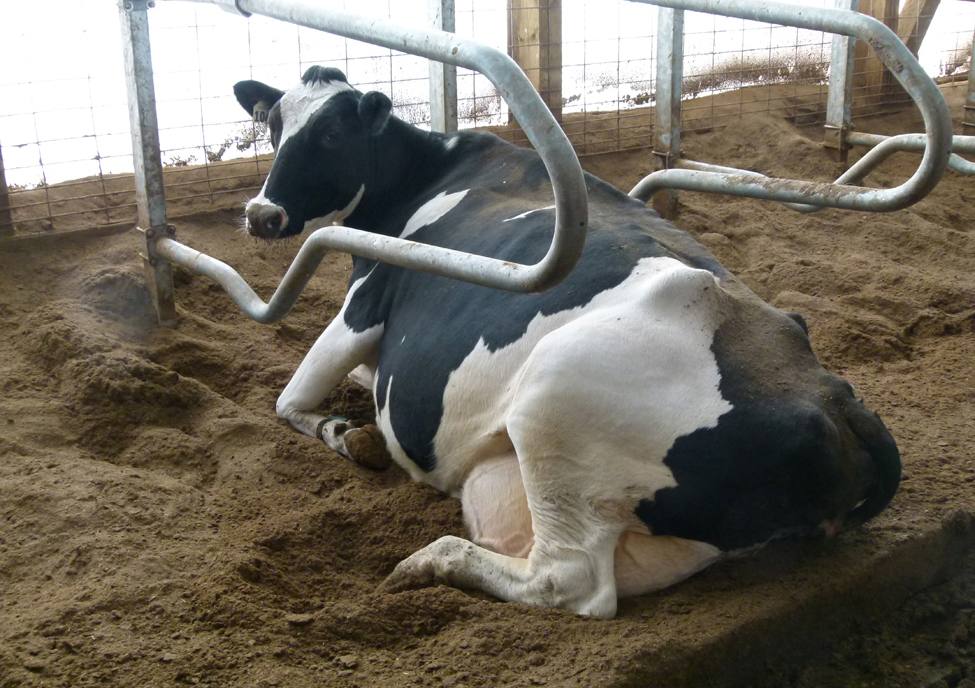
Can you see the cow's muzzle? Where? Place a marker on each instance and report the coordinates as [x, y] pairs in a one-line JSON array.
[[265, 220]]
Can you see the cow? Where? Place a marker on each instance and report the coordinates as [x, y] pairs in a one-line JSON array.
[[606, 438]]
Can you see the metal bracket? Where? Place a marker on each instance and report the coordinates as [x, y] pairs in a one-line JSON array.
[[159, 273], [968, 119], [836, 137], [665, 161], [561, 163]]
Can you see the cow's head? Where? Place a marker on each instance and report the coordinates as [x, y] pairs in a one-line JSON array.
[[322, 131]]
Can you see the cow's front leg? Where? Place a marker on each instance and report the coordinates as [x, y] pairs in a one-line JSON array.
[[337, 352]]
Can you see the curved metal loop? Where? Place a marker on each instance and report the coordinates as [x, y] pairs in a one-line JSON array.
[[885, 146], [891, 51], [565, 172]]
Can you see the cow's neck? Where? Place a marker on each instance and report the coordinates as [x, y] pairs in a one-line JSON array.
[[404, 161]]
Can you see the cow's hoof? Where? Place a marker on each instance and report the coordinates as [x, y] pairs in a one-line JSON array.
[[367, 448], [408, 576]]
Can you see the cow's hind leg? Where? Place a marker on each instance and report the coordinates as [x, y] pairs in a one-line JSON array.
[[571, 561]]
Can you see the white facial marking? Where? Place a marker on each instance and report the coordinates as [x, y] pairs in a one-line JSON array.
[[528, 212], [336, 217], [432, 210], [301, 102]]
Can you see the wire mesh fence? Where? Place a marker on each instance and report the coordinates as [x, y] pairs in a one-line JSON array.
[[65, 147]]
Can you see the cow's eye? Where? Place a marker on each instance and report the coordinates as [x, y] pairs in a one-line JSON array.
[[331, 137]]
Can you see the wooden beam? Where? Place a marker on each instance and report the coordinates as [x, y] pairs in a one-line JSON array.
[[914, 20], [535, 43], [872, 80], [968, 117], [6, 217]]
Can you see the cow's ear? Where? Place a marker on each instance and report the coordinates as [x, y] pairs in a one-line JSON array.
[[800, 321], [374, 108], [256, 98]]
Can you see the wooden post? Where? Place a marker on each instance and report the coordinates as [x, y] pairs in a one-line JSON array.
[[872, 80], [968, 117], [914, 20], [535, 43], [6, 217]]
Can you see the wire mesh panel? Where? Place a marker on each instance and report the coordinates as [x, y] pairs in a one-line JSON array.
[[609, 69], [65, 148], [734, 67], [63, 119]]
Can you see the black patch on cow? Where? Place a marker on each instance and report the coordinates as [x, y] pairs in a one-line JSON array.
[[374, 109], [772, 466], [800, 321]]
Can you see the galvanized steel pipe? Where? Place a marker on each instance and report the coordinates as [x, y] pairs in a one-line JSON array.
[[891, 51], [885, 146]]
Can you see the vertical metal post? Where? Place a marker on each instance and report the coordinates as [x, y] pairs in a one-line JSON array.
[[839, 103], [6, 217], [968, 118], [443, 77], [150, 197], [666, 128]]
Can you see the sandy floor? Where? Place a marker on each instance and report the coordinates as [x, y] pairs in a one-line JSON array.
[[161, 527]]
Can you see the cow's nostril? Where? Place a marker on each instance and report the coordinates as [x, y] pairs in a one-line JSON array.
[[266, 220], [274, 218]]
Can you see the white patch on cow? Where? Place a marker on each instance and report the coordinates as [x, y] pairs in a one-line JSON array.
[[528, 212], [432, 210], [636, 359], [363, 375], [336, 217], [298, 104], [451, 142], [336, 352], [385, 425]]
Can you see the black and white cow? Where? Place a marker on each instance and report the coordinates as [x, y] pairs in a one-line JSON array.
[[606, 438]]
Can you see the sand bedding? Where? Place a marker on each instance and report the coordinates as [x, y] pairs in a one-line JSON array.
[[160, 526]]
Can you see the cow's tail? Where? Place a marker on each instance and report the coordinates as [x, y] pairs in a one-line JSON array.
[[879, 443]]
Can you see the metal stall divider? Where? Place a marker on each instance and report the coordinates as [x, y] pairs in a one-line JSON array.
[[803, 195], [841, 136], [569, 189]]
